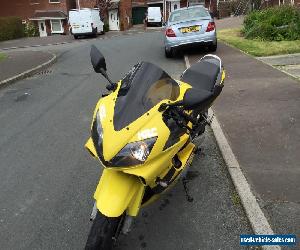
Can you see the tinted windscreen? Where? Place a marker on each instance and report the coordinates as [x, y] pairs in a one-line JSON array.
[[142, 88], [188, 14]]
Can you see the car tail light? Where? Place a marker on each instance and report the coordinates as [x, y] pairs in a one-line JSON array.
[[211, 26], [170, 32]]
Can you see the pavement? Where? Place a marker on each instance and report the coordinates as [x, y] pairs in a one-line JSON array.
[[259, 114], [17, 62], [47, 178], [289, 64]]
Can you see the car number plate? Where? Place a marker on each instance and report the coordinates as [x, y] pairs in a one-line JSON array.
[[190, 29]]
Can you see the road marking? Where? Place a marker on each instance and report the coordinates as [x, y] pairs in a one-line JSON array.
[[256, 217], [187, 62]]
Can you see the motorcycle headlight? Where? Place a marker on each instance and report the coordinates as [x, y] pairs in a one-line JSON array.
[[97, 136], [99, 127], [134, 153]]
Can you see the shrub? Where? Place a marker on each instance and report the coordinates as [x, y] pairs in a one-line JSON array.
[[106, 27], [31, 30], [273, 24], [11, 28]]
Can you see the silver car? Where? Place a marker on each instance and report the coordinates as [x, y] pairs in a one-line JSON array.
[[190, 26]]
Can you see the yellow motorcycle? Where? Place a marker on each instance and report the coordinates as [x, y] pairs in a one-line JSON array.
[[142, 133]]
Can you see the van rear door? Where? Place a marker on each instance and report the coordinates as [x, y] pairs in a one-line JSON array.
[[80, 21]]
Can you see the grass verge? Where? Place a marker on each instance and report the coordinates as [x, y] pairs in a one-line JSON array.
[[2, 56], [257, 47]]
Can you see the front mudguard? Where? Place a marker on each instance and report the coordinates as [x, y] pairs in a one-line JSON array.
[[117, 192]]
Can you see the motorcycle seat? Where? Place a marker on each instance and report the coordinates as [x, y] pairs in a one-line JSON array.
[[202, 75]]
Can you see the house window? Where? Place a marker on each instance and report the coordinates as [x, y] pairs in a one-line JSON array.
[[56, 26], [54, 1]]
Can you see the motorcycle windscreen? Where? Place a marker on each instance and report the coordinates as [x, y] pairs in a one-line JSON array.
[[141, 89]]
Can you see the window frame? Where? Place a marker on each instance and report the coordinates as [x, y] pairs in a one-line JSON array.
[[54, 1], [61, 26]]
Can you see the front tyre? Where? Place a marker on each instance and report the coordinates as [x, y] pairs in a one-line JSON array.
[[102, 233]]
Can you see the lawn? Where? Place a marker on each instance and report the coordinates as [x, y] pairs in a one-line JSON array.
[[2, 56], [257, 47]]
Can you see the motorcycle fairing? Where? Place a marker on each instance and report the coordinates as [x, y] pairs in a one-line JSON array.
[[114, 141], [152, 192]]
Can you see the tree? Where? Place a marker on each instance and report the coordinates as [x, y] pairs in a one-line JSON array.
[[103, 6]]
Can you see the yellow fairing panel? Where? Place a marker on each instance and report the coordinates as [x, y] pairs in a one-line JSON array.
[[117, 192]]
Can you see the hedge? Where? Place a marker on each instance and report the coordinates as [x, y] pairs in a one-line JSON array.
[[11, 28], [273, 24]]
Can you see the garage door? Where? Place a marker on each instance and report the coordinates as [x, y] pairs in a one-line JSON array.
[[138, 15]]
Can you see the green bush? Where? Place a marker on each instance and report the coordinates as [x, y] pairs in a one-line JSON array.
[[106, 27], [31, 30], [273, 24], [11, 28]]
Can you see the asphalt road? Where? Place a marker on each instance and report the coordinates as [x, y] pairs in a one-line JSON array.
[[47, 178]]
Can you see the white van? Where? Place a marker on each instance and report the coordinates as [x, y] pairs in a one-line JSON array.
[[154, 16], [85, 22]]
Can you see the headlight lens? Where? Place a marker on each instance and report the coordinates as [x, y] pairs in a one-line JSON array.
[[99, 127], [134, 153], [97, 136]]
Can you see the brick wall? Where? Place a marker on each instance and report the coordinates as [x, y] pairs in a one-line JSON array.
[[125, 12], [26, 8], [87, 4]]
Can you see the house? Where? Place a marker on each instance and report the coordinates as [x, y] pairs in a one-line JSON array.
[[51, 16], [118, 13]]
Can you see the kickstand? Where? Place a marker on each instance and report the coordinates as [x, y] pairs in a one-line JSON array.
[[188, 196]]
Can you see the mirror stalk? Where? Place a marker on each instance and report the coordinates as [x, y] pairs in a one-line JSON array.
[[112, 85]]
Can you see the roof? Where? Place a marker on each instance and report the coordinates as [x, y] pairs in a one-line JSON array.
[[48, 14]]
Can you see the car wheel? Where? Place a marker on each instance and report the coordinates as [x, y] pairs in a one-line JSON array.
[[95, 32], [213, 47], [75, 37], [168, 53]]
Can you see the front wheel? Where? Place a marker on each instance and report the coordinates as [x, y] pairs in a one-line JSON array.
[[102, 232]]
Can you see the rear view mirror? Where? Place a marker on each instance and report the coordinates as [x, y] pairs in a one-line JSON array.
[[98, 60]]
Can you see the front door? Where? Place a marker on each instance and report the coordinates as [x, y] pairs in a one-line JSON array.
[[42, 28], [113, 20], [174, 5]]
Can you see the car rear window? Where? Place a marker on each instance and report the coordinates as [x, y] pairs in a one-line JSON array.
[[188, 14]]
